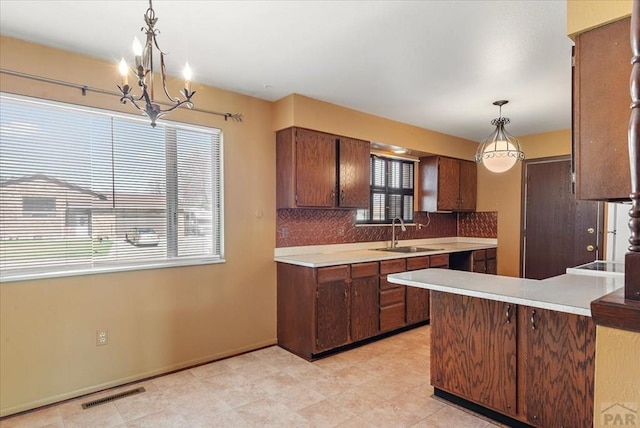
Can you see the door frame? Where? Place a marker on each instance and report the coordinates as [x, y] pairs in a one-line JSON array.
[[523, 211]]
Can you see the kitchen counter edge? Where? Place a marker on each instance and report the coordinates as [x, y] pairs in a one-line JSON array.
[[567, 293]]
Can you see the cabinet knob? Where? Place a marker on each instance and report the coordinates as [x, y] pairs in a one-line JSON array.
[[508, 314], [591, 230], [590, 248]]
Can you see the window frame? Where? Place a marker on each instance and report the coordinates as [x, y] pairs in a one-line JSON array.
[[170, 260]]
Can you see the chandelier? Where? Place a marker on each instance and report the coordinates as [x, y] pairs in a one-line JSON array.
[[144, 72], [500, 151]]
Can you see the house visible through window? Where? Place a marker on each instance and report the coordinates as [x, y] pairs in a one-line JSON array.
[[391, 191], [88, 190], [38, 206]]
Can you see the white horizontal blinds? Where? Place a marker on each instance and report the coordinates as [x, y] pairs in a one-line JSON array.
[[138, 201], [199, 196], [83, 189], [45, 186]]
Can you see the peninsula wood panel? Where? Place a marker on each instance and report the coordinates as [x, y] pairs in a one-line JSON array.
[[473, 349], [558, 367]]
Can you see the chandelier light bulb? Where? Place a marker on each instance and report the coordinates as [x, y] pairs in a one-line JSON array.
[[496, 158], [187, 72], [124, 72], [137, 47]]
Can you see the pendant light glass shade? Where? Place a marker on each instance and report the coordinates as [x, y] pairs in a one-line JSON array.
[[500, 151]]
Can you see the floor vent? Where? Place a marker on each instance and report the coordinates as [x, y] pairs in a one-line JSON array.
[[113, 397]]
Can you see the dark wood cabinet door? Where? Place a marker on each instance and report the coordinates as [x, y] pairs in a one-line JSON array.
[[364, 307], [448, 184], [354, 164], [468, 185], [332, 315], [417, 305], [473, 349], [601, 112], [558, 367], [315, 169], [492, 266]]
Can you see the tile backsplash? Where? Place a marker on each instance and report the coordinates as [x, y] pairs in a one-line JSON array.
[[299, 227]]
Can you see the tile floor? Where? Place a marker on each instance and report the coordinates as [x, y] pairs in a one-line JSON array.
[[382, 384]]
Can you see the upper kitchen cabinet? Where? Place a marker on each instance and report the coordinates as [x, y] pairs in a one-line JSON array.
[[601, 112], [319, 170], [447, 184]]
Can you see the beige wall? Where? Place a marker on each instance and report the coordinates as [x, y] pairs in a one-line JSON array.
[[617, 374], [617, 377], [314, 114], [583, 15], [158, 320]]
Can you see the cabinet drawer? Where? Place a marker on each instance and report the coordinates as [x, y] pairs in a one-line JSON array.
[[392, 296], [386, 285], [333, 273], [362, 270], [392, 266], [415, 263], [491, 253], [439, 260], [479, 255], [392, 317]]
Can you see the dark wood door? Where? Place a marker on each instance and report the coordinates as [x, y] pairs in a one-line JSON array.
[[558, 367], [601, 112], [559, 231], [364, 307], [468, 185], [332, 315], [354, 173], [315, 169], [473, 349], [448, 184]]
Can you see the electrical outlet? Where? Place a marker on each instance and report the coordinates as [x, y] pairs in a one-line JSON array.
[[102, 337]]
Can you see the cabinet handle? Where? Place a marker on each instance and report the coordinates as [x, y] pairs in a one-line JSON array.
[[590, 248], [342, 195], [508, 314], [345, 295], [533, 320]]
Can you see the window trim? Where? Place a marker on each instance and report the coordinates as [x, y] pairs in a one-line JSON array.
[[83, 269]]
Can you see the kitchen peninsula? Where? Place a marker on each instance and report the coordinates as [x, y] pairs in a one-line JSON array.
[[519, 350]]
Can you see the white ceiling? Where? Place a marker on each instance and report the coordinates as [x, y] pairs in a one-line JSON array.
[[435, 64]]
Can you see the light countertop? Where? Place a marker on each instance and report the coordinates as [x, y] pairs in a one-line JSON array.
[[331, 255], [568, 293]]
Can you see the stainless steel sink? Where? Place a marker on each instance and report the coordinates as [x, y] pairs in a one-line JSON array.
[[408, 249]]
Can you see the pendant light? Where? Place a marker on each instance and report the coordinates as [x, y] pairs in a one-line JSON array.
[[500, 151]]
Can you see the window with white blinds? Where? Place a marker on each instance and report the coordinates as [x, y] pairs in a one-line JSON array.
[[84, 190], [391, 186]]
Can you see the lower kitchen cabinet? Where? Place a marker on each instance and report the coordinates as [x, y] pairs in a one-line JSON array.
[[474, 350], [558, 351], [417, 299], [332, 308], [533, 365], [364, 315]]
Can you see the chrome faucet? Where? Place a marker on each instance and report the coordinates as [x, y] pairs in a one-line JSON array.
[[394, 241]]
